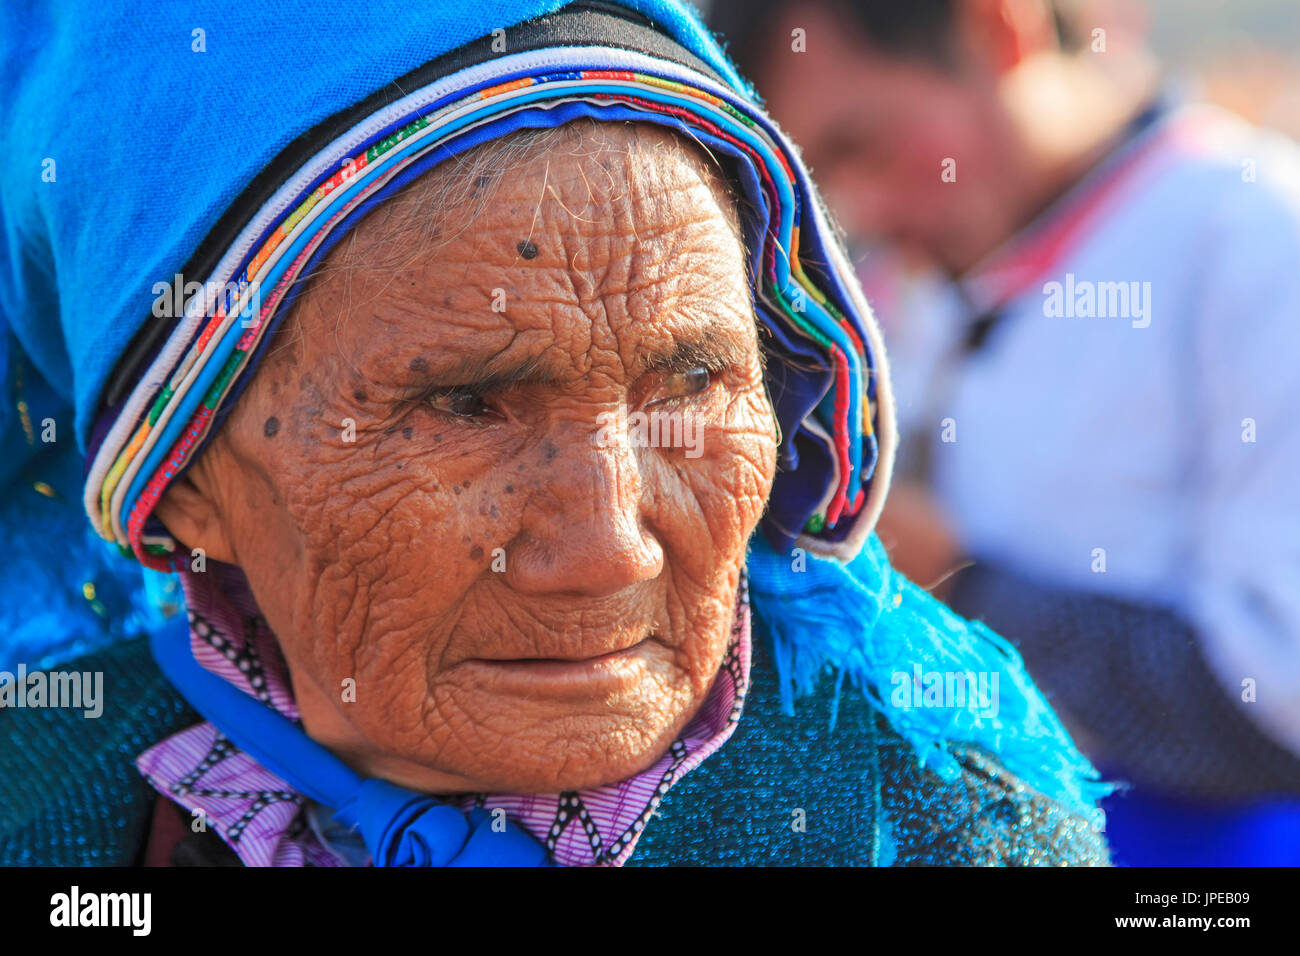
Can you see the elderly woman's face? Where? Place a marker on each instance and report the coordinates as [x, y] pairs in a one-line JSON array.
[[530, 584]]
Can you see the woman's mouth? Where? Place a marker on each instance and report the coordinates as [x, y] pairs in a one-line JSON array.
[[557, 676]]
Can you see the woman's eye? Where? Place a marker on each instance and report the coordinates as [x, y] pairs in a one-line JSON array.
[[459, 404], [690, 382]]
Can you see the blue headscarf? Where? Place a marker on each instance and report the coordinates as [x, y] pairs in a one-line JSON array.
[[123, 144]]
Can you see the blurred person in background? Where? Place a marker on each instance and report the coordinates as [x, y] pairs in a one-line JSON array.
[[1099, 383]]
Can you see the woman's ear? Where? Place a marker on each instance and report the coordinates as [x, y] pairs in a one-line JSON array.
[[193, 519]]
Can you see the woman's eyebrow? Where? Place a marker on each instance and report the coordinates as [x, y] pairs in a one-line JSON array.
[[715, 349], [484, 373]]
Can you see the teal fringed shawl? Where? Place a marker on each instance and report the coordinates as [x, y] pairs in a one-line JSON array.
[[871, 625]]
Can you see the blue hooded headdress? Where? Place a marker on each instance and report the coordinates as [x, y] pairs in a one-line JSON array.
[[141, 276]]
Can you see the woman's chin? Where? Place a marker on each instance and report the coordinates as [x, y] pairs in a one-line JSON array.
[[571, 751], [564, 773], [550, 725]]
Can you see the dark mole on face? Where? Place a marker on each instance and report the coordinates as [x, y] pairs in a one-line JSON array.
[[549, 450], [419, 364], [271, 427], [407, 432], [359, 394], [476, 553], [527, 248], [510, 489]]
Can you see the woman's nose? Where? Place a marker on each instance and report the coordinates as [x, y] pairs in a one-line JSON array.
[[585, 533]]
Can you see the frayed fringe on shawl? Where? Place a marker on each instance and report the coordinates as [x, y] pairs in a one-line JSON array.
[[868, 623]]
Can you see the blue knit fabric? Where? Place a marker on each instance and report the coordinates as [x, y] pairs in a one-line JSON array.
[[830, 782], [70, 794]]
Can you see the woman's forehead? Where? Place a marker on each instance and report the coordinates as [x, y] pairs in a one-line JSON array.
[[570, 251], [602, 172], [541, 321]]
